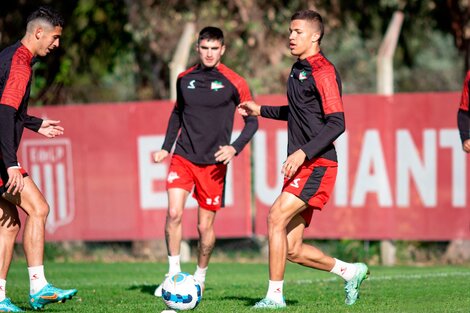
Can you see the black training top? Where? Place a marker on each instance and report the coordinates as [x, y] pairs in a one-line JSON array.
[[15, 85], [315, 116], [204, 111], [463, 115]]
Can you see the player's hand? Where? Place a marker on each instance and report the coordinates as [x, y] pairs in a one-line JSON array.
[[293, 162], [160, 156], [15, 183], [51, 129], [225, 154], [466, 145], [248, 108]]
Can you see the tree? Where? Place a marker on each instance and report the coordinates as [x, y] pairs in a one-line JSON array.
[[120, 50], [453, 17]]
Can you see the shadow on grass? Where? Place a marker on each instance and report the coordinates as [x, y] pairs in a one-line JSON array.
[[150, 288], [249, 301], [144, 288]]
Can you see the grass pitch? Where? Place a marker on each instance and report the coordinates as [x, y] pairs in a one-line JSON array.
[[234, 287]]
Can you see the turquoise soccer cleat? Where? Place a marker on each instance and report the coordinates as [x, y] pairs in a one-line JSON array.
[[50, 294], [7, 306], [269, 304], [352, 287]]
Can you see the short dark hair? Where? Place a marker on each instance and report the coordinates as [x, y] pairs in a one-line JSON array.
[[211, 33], [310, 16], [47, 14]]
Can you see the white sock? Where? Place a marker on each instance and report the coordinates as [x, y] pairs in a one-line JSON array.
[[37, 280], [275, 291], [174, 264], [200, 274], [344, 270], [3, 286]]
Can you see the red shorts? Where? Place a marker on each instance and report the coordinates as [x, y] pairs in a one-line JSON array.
[[208, 181], [313, 183]]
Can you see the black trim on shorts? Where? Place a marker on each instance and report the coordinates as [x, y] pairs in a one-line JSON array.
[[222, 205], [313, 183]]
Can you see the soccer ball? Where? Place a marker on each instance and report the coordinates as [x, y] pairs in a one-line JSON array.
[[181, 291]]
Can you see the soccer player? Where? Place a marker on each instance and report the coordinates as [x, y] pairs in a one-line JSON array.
[[463, 116], [315, 118], [43, 31], [207, 97]]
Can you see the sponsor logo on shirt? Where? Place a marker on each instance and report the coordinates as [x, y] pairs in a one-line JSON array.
[[216, 85], [302, 76], [191, 84]]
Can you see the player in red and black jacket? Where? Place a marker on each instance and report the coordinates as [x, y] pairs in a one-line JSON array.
[[315, 119], [43, 30], [463, 115], [201, 123]]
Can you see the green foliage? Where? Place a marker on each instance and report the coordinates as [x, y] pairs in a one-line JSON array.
[[121, 50]]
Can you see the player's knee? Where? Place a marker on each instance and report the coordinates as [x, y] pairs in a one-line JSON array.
[[40, 211], [204, 228], [174, 215], [276, 220], [43, 211]]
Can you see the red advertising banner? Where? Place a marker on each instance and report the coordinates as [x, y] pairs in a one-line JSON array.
[[101, 183], [402, 172]]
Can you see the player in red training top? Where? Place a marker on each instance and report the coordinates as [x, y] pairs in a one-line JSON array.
[[207, 97], [43, 31], [315, 119], [463, 115]]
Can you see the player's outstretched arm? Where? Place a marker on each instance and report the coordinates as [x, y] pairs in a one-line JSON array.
[[159, 156], [249, 108], [51, 129]]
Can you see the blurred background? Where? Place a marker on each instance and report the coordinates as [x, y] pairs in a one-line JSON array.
[[121, 52]]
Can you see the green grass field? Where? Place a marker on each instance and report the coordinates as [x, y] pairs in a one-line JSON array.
[[234, 287]]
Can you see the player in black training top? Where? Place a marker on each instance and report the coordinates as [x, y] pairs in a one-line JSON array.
[[315, 119], [463, 115], [207, 97], [43, 30]]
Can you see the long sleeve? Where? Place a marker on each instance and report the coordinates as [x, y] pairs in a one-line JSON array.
[[174, 124], [33, 123], [248, 131], [335, 126], [463, 122], [7, 135], [275, 112], [328, 85], [463, 115]]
